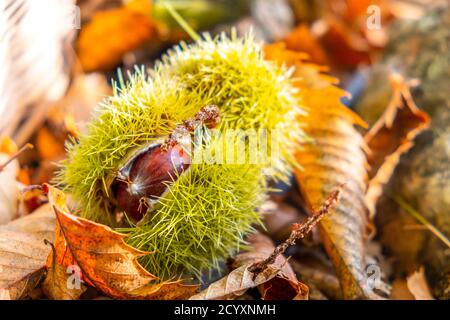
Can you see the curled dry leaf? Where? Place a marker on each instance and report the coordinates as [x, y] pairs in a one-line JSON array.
[[236, 283], [422, 177], [334, 157], [23, 253], [285, 285], [61, 283], [106, 262], [391, 136], [30, 199], [348, 47]]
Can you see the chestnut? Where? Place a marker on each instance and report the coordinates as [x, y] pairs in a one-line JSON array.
[[147, 177], [148, 174]]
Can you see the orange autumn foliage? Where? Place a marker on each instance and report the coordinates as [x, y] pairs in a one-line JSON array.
[[302, 40], [111, 34], [339, 154], [391, 136], [334, 157], [105, 260]]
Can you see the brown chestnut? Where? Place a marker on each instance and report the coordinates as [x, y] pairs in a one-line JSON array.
[[147, 177]]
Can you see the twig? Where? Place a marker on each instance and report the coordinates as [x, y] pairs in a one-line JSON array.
[[208, 116], [299, 230], [16, 154], [180, 20]]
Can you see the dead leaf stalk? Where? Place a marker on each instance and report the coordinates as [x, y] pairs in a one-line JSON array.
[[299, 230], [15, 155]]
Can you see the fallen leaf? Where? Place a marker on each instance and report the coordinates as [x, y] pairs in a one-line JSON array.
[[9, 187], [400, 236], [106, 262], [348, 47], [391, 136], [30, 199], [285, 285], [48, 145], [23, 253], [61, 283], [236, 283], [350, 34], [418, 285], [422, 177], [111, 34], [299, 230], [302, 40], [334, 157]]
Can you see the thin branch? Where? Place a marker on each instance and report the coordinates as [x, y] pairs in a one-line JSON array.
[[208, 116], [15, 155], [183, 23], [299, 230]]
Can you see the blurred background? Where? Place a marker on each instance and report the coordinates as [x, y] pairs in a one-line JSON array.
[[58, 58]]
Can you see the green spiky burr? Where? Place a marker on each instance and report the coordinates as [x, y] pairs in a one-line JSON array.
[[206, 211]]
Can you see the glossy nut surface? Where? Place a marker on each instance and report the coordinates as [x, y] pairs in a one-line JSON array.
[[148, 177]]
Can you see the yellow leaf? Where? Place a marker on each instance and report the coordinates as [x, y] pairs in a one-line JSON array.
[[334, 157]]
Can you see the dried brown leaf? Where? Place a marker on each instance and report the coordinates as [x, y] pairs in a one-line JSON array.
[[236, 283], [400, 290], [285, 285], [327, 283], [391, 136], [301, 39], [23, 253], [299, 231], [334, 157], [105, 260], [60, 283]]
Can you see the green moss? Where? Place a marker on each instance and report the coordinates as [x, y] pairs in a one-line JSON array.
[[208, 210]]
